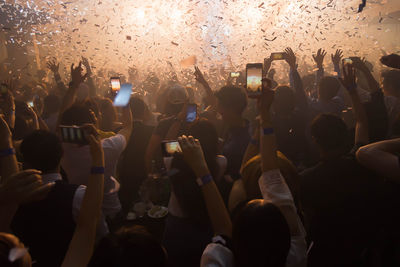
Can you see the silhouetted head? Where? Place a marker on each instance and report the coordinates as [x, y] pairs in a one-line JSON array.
[[261, 235], [391, 82], [284, 101], [128, 247], [232, 101], [328, 88], [78, 114], [42, 151]]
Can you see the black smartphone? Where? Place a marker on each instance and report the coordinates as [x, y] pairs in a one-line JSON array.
[[115, 83], [191, 114], [169, 148], [254, 73], [73, 134], [278, 56]]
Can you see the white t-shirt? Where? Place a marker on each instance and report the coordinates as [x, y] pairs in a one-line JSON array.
[[77, 163]]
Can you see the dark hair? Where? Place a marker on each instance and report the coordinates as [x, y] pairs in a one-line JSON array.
[[129, 247], [23, 121], [78, 114], [392, 77], [330, 132], [42, 150], [232, 97], [184, 183], [108, 114], [51, 105], [138, 108], [328, 88], [284, 100], [261, 235]]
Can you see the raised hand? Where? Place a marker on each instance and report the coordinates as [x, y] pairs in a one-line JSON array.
[[85, 63], [193, 154], [53, 65], [23, 187], [199, 76], [266, 99], [290, 57], [337, 57], [76, 75], [359, 63], [349, 78], [319, 58], [392, 61]]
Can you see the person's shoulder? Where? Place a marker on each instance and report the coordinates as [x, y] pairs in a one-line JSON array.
[[116, 141]]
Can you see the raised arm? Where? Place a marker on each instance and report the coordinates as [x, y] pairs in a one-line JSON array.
[[381, 157], [127, 123], [8, 105], [219, 216], [211, 99], [82, 244], [349, 82], [336, 58], [54, 67], [359, 64], [296, 82], [90, 82], [319, 61]]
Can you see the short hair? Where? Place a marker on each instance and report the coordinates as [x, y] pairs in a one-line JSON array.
[[232, 97], [52, 104], [42, 150], [127, 247], [284, 99], [261, 235], [138, 108], [78, 114], [328, 87], [330, 132], [392, 78]]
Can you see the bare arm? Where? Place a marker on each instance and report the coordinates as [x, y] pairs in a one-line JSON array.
[[127, 123], [380, 157], [297, 83], [211, 99], [219, 216], [82, 244], [319, 60], [54, 66], [154, 144], [349, 82]]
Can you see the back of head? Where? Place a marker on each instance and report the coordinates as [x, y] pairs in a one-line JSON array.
[[391, 82], [330, 132], [176, 96], [41, 150], [78, 114], [10, 243], [138, 108], [261, 235], [52, 105], [284, 101], [129, 247], [233, 98], [328, 88]]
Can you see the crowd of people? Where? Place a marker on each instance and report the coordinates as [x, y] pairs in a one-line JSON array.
[[305, 174]]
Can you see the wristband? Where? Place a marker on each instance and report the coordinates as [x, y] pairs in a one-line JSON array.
[[268, 131], [204, 180], [97, 170], [7, 152]]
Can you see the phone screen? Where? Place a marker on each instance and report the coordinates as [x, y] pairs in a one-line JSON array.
[[73, 134], [123, 96], [30, 104], [235, 74], [347, 61], [115, 83], [191, 114], [278, 56], [169, 148], [253, 79]]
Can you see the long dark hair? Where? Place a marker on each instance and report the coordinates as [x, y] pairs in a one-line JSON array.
[[184, 182]]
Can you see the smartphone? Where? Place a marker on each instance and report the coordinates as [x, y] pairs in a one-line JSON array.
[[169, 148], [73, 134], [123, 95], [254, 73], [347, 61], [235, 74], [278, 56], [115, 83], [191, 114], [30, 104]]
